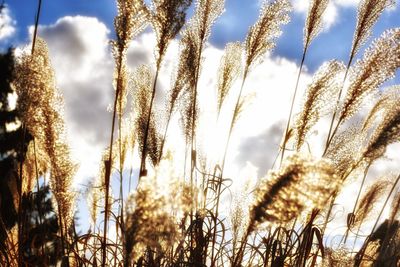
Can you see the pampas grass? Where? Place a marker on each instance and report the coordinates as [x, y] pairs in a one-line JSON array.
[[177, 215]]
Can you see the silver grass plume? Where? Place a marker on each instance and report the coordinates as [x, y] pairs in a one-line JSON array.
[[207, 12], [142, 83], [389, 98], [262, 35], [301, 183], [314, 20], [193, 40], [318, 97], [41, 110], [346, 148], [229, 70], [34, 83], [148, 224], [188, 116], [184, 78], [167, 18], [367, 202], [368, 13], [243, 103], [61, 166], [130, 21], [35, 165], [379, 64], [387, 132]]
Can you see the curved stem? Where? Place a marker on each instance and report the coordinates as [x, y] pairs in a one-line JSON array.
[[357, 199], [108, 165], [223, 164], [286, 137], [165, 134]]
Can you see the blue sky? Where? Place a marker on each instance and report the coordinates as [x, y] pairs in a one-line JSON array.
[[232, 26]]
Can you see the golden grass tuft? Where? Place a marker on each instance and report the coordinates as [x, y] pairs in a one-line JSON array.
[[262, 35], [317, 101]]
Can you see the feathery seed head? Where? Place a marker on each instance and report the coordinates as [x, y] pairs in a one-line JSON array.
[[130, 21], [207, 12], [142, 84], [262, 35], [300, 184], [395, 208], [317, 103], [386, 133], [148, 224], [314, 20], [346, 148], [367, 202], [229, 70], [34, 83], [167, 18], [368, 13], [388, 99], [379, 64]]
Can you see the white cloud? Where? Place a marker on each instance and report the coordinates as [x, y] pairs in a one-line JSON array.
[[331, 14], [7, 24]]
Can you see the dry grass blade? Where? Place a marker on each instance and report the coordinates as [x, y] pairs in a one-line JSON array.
[[261, 36], [302, 183], [368, 13], [318, 99], [229, 70], [367, 202], [314, 20], [379, 64]]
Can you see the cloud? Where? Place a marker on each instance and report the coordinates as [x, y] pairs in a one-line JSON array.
[[331, 14], [79, 50], [7, 24]]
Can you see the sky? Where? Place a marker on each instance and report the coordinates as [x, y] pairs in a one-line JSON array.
[[78, 34]]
